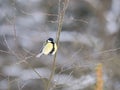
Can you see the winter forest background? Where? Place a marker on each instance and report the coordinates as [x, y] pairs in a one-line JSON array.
[[90, 36]]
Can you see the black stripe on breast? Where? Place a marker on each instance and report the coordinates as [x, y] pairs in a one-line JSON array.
[[52, 48]]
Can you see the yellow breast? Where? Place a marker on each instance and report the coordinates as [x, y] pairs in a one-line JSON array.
[[47, 48]]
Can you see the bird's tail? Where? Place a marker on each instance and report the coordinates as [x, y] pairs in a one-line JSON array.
[[37, 56]]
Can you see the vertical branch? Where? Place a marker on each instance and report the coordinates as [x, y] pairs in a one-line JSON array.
[[99, 74], [61, 13], [14, 30], [14, 18], [8, 83]]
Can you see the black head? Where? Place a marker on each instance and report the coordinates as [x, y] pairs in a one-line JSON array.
[[50, 40]]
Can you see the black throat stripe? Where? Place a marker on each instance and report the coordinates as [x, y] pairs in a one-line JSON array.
[[52, 48]]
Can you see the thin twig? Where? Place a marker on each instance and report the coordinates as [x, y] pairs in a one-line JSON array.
[[5, 52], [36, 72], [10, 48]]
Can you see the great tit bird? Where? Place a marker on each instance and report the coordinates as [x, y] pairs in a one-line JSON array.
[[49, 48]]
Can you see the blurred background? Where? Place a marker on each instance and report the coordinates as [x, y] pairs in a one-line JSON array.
[[90, 35]]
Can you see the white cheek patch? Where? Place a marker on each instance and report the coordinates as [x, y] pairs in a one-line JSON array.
[[48, 41]]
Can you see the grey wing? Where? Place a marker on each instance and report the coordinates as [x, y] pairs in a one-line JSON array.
[[42, 47], [38, 55]]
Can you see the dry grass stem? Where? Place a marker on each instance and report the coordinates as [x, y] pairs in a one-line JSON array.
[[99, 77]]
